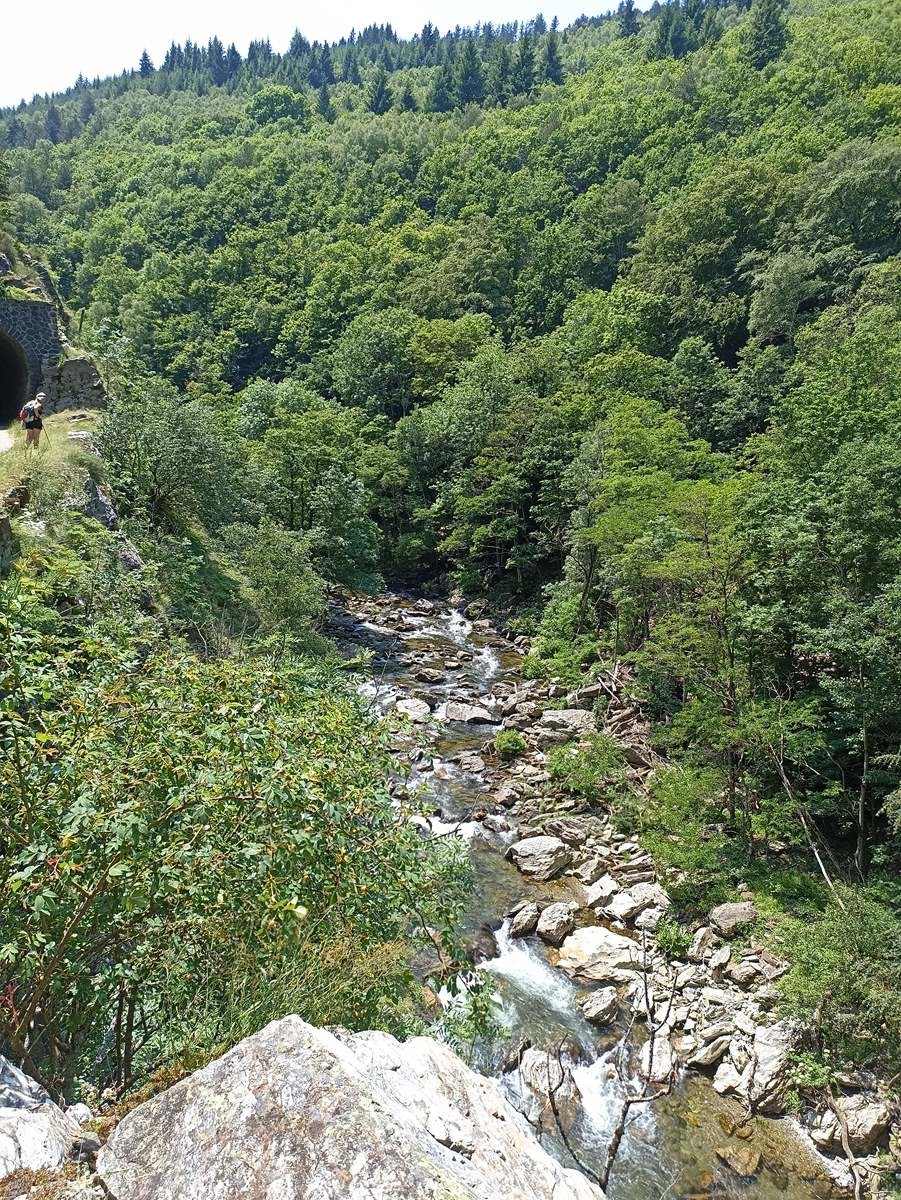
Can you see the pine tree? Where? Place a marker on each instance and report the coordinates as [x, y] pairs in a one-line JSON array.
[[500, 73], [4, 190], [145, 66], [379, 100], [324, 105], [674, 34], [552, 66], [350, 70], [407, 101], [299, 45], [765, 37], [53, 125], [16, 134], [469, 84], [626, 19], [441, 94], [232, 61], [326, 66], [523, 78], [428, 43], [539, 26], [216, 60], [87, 108]]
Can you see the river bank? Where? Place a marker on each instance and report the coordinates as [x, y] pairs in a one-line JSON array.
[[563, 918]]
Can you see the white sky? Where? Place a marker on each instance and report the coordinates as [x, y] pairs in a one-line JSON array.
[[46, 45]]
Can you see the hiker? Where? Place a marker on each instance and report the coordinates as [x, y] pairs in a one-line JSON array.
[[31, 416]]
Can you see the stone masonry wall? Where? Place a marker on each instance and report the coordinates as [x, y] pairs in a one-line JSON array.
[[32, 323]]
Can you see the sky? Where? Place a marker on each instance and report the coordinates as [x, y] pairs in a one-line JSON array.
[[47, 44]]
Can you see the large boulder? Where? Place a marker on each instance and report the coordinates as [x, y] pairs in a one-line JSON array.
[[468, 714], [541, 857], [414, 710], [299, 1113], [549, 1096], [573, 721], [555, 922], [867, 1118], [729, 919], [771, 1063], [600, 1007], [594, 954], [628, 904], [35, 1133]]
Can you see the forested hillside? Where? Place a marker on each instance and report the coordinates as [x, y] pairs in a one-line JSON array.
[[599, 323]]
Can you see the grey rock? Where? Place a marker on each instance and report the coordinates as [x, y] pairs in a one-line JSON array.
[[468, 714], [525, 920], [594, 954], [541, 857], [129, 557], [628, 904], [414, 710], [80, 1113], [540, 1074], [867, 1119], [555, 922], [601, 892], [710, 1053], [298, 1113], [98, 504], [600, 1007], [729, 919], [35, 1133], [771, 1063], [573, 721]]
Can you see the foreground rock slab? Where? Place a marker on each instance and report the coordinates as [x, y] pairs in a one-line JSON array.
[[299, 1113], [35, 1134]]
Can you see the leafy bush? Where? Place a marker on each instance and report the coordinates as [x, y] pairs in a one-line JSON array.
[[586, 770], [673, 938], [186, 847], [846, 977], [680, 829], [509, 743]]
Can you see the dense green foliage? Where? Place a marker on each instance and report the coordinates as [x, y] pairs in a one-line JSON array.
[[604, 319]]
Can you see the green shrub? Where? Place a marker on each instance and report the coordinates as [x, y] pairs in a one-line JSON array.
[[846, 976], [680, 828], [586, 770], [189, 848], [673, 938], [510, 743]]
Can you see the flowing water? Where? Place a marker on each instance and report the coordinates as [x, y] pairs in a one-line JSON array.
[[670, 1147]]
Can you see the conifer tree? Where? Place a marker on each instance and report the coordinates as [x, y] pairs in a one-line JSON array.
[[626, 19], [53, 125], [379, 99], [523, 77], [441, 97], [407, 101], [326, 66], [324, 105], [553, 66], [146, 65], [500, 73], [765, 36], [469, 84], [350, 68], [232, 61]]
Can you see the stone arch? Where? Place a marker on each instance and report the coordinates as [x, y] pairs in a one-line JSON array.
[[14, 379]]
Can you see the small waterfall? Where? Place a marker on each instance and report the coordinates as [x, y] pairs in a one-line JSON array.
[[486, 664], [458, 628]]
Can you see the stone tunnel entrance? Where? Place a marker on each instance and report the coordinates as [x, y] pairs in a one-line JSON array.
[[13, 379]]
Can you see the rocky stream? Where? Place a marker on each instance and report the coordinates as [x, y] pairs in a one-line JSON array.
[[562, 915]]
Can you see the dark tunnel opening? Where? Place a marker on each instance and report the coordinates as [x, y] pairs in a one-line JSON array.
[[13, 379]]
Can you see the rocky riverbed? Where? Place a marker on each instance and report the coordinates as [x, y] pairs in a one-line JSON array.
[[563, 915]]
